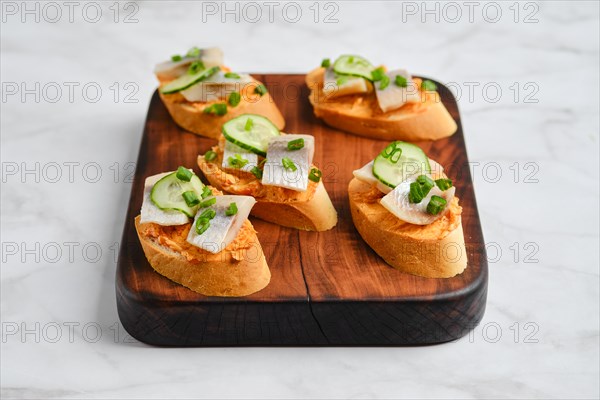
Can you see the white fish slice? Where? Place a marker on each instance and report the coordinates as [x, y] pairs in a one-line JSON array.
[[223, 229], [211, 57], [335, 85], [393, 96], [275, 174], [232, 149], [216, 87]]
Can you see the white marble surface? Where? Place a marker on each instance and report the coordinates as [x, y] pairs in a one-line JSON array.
[[555, 356]]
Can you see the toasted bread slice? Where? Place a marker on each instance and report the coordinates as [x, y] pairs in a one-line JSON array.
[[191, 116], [238, 270], [436, 250], [360, 114], [311, 210]]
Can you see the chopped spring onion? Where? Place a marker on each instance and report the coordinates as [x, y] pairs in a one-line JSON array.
[[193, 52], [326, 63], [234, 99], [231, 210], [210, 155], [377, 74], [237, 161], [176, 58], [191, 199], [257, 172], [400, 81], [385, 82], [195, 67], [249, 124], [202, 225], [208, 214], [231, 75], [260, 89], [216, 108], [436, 205], [206, 192], [428, 85], [288, 164], [443, 184], [295, 144], [184, 174], [208, 203], [315, 175], [420, 188]]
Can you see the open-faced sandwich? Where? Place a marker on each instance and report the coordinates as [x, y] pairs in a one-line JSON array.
[[352, 95], [201, 94], [403, 206], [200, 238], [254, 158]]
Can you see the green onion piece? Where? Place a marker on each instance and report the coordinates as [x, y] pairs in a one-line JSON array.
[[420, 188], [288, 164], [351, 59], [295, 144], [193, 52], [400, 81], [206, 192], [436, 205], [341, 80], [385, 82], [315, 175], [443, 184], [234, 99], [249, 124], [257, 172], [209, 214], [326, 63], [237, 161], [216, 108], [260, 89], [428, 85], [202, 224], [176, 58], [210, 155], [231, 210], [208, 203], [191, 199], [232, 75], [196, 66], [392, 152], [377, 74], [184, 174]]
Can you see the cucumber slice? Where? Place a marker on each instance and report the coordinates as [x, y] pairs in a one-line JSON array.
[[167, 193], [353, 65], [187, 80], [398, 161], [254, 136]]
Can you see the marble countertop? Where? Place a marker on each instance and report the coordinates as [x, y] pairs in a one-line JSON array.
[[76, 82]]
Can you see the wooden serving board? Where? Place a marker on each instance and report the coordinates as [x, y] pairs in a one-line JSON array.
[[327, 288]]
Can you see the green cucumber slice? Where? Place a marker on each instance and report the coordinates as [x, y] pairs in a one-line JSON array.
[[398, 161], [256, 138], [187, 80], [353, 65], [167, 193]]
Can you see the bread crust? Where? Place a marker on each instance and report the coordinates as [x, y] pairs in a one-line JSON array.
[[359, 114], [432, 251], [191, 117], [225, 274], [311, 210]]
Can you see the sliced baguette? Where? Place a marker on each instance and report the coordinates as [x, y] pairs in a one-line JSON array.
[[436, 250], [360, 114], [311, 210], [191, 116], [238, 270]]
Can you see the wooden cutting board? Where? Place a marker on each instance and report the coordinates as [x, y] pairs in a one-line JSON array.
[[327, 288]]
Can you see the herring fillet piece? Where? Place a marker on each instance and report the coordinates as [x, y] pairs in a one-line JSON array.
[[151, 213], [232, 149], [398, 204], [274, 173], [216, 87], [211, 57], [223, 229], [365, 174], [393, 96], [349, 84]]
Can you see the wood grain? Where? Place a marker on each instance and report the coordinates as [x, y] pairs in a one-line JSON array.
[[327, 288]]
